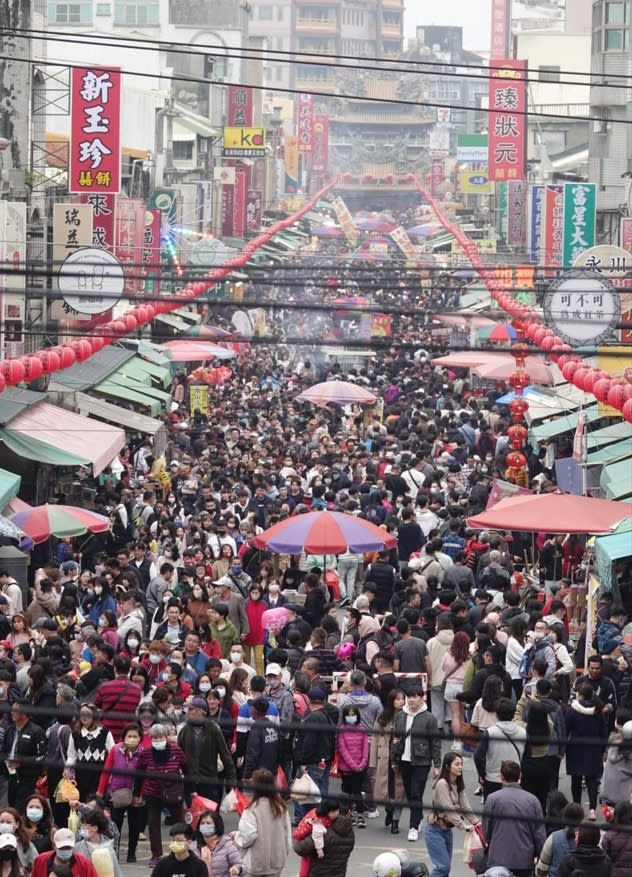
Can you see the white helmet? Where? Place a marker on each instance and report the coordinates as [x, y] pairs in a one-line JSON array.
[[626, 730], [387, 865]]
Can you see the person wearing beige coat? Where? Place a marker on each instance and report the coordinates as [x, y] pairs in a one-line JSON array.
[[387, 781]]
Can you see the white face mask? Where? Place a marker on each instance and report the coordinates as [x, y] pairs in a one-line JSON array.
[[236, 657], [205, 686], [155, 659], [133, 643], [351, 720], [159, 745], [274, 589]]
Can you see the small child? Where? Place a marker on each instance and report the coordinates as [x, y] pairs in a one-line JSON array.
[[315, 823], [352, 750]]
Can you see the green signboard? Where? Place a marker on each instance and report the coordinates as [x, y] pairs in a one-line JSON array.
[[580, 218]]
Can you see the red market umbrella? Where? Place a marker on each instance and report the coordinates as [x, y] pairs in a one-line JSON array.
[[339, 392], [496, 366], [553, 513], [324, 533], [194, 350], [42, 522], [208, 333]]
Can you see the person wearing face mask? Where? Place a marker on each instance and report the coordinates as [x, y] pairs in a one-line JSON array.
[[92, 838], [181, 861], [256, 636], [204, 746], [63, 859], [159, 782], [236, 606], [156, 661], [118, 698], [88, 747], [352, 749], [38, 823], [274, 596], [10, 865], [103, 600], [216, 849], [198, 604], [131, 648], [11, 822]]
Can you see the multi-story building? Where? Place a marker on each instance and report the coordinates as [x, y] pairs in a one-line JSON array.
[[610, 162], [338, 28]]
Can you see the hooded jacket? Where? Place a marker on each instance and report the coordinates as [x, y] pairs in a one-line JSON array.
[[616, 784], [504, 741], [586, 861], [618, 847], [438, 647], [369, 706]]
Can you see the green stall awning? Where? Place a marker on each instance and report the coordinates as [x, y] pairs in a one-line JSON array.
[[121, 391], [610, 453], [567, 423], [99, 366], [610, 548], [142, 372], [9, 486], [173, 322], [616, 479], [616, 432], [33, 449]]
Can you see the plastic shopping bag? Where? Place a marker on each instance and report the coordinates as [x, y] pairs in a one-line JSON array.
[[66, 791], [234, 802], [475, 850], [198, 806], [305, 791]]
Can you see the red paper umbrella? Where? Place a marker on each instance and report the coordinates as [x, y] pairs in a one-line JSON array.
[[338, 392], [324, 533], [42, 522], [553, 513]]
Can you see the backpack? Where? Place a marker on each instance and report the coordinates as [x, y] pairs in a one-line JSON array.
[[524, 668]]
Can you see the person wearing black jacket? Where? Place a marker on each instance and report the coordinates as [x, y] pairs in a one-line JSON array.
[[263, 745], [587, 857], [24, 751], [180, 862], [102, 671], [314, 744], [492, 667]]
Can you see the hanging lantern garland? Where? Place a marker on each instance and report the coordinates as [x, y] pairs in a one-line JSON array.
[[516, 461]]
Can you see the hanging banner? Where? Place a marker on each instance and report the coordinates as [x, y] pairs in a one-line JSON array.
[[399, 236], [151, 252], [502, 490], [239, 104], [501, 210], [625, 233], [345, 220], [381, 326], [127, 249], [580, 220], [94, 157], [437, 176], [239, 203], [13, 231], [228, 196], [501, 29], [536, 205], [552, 255], [320, 146], [198, 398], [103, 218], [305, 122], [290, 160], [517, 191], [254, 209], [507, 120]]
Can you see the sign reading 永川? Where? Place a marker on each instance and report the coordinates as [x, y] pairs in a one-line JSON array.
[[582, 307], [580, 218]]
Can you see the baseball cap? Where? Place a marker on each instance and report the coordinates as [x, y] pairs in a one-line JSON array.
[[198, 703], [69, 566], [317, 694], [45, 624], [274, 670], [225, 581], [63, 837], [8, 842]]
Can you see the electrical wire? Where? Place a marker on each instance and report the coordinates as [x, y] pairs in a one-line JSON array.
[[286, 90]]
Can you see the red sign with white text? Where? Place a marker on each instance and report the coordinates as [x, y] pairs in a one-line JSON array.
[[228, 195], [128, 251], [501, 24], [103, 218], [94, 158], [507, 120], [437, 176], [239, 203], [305, 122], [239, 106], [320, 145]]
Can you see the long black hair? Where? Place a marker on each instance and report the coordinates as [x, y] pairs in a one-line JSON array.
[[387, 715], [448, 758]]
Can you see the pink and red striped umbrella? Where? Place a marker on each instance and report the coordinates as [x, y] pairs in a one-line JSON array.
[[43, 521], [324, 533]]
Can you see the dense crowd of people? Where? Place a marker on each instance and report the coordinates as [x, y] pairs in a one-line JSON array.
[[141, 671]]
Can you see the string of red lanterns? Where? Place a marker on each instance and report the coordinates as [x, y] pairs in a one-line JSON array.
[[603, 386], [51, 359]]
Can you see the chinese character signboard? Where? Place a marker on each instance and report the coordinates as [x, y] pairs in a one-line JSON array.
[[507, 120], [305, 122], [553, 237], [626, 233], [239, 203], [14, 257], [239, 106], [399, 236], [72, 229], [254, 208], [536, 207], [228, 195], [290, 160], [151, 251], [501, 210], [94, 163], [320, 145], [583, 307], [129, 236], [244, 142], [198, 398], [501, 29], [345, 220], [517, 191], [103, 218], [437, 176], [580, 217]]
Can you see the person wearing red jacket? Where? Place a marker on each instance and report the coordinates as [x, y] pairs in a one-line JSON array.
[[352, 751], [156, 661], [63, 857], [255, 638]]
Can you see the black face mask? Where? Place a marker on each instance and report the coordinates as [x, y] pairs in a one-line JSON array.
[[7, 855]]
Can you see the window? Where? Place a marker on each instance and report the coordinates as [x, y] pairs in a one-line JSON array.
[[549, 73], [183, 150], [137, 13], [70, 13], [615, 39], [616, 13], [104, 10], [266, 13]]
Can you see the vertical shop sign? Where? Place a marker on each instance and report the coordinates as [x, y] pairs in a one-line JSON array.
[[239, 203], [580, 219], [239, 104], [536, 206], [305, 122], [553, 235], [94, 162], [517, 191], [320, 149], [254, 208], [507, 120]]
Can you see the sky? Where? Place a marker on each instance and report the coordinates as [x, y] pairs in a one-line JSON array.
[[472, 15]]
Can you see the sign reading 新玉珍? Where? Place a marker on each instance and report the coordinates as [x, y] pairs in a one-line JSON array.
[[582, 307]]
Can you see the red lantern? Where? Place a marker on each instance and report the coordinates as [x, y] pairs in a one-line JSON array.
[[602, 388], [151, 312], [130, 321], [66, 355], [548, 342], [519, 380], [516, 460], [518, 406], [517, 434], [82, 348], [50, 360], [3, 383], [97, 342], [617, 395], [580, 376], [627, 411], [569, 369], [118, 328], [12, 370], [539, 334], [33, 368], [591, 378]]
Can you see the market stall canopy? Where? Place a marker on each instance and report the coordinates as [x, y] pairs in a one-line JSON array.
[[465, 321], [132, 421], [496, 366], [324, 533], [616, 451], [42, 522], [609, 549], [338, 392], [9, 486], [98, 367], [607, 435], [9, 531], [190, 350], [566, 423], [616, 479], [553, 513]]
